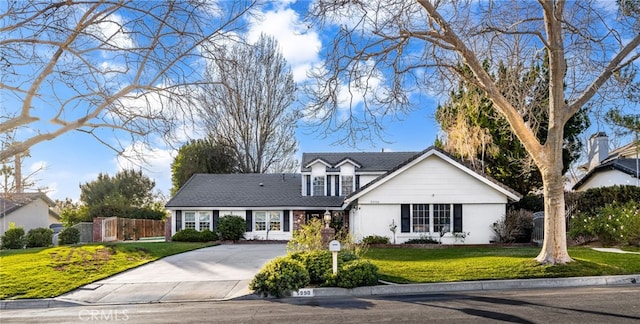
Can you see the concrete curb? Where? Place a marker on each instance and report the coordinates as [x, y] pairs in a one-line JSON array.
[[35, 303], [408, 289]]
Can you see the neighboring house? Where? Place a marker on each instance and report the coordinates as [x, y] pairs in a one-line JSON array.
[[26, 210], [424, 193], [604, 169]]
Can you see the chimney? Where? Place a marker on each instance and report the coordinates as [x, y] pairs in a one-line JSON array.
[[598, 149]]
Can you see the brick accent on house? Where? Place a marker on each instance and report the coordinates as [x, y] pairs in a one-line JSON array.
[[298, 219], [97, 229]]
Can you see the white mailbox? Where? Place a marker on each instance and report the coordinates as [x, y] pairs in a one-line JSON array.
[[334, 246]]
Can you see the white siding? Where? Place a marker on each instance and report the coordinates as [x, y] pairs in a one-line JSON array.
[[348, 169], [607, 179], [375, 220], [433, 180], [33, 215], [366, 178]]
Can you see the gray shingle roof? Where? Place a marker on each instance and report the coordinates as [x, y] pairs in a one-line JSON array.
[[12, 202], [369, 161], [247, 190]]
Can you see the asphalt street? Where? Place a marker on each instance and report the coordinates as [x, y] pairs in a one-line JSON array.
[[610, 304]]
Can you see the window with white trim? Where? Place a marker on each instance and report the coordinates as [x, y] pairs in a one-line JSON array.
[[318, 186], [420, 218], [441, 218], [431, 218], [262, 219], [347, 185], [197, 220], [189, 220]]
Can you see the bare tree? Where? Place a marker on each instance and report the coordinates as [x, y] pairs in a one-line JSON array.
[[416, 45], [105, 66], [248, 106]]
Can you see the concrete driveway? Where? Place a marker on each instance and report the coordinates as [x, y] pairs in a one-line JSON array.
[[214, 273]]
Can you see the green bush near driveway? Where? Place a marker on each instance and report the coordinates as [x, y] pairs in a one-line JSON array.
[[280, 276], [231, 228], [191, 235]]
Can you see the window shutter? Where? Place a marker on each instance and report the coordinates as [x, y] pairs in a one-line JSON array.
[[328, 185], [216, 217], [286, 222], [357, 182], [457, 218], [308, 185], [337, 185], [249, 219], [405, 221], [178, 220]]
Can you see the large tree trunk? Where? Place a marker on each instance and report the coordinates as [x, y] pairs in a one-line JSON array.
[[554, 247]]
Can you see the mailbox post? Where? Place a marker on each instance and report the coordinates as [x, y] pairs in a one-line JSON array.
[[334, 247]]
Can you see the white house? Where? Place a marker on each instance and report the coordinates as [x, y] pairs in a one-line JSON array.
[[26, 210], [425, 193], [604, 169]]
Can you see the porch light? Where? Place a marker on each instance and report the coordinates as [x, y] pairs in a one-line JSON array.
[[327, 218]]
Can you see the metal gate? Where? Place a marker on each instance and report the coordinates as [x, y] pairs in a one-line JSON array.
[[110, 229], [538, 227]]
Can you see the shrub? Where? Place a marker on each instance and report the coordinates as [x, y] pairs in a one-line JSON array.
[[614, 224], [319, 262], [593, 199], [353, 274], [280, 276], [422, 240], [13, 238], [191, 235], [39, 237], [231, 228], [307, 238], [208, 236], [515, 227], [376, 239], [69, 235]]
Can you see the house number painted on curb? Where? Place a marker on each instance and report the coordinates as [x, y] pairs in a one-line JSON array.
[[304, 292]]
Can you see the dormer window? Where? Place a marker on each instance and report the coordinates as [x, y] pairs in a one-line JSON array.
[[347, 185], [318, 186]]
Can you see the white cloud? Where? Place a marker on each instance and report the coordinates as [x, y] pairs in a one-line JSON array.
[[299, 45], [154, 163], [112, 32]]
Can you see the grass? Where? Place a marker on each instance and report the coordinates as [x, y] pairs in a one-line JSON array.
[[413, 265], [50, 272]]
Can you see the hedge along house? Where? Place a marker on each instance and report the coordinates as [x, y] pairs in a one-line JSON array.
[[423, 192]]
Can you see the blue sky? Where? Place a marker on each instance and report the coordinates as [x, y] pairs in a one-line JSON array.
[[76, 157]]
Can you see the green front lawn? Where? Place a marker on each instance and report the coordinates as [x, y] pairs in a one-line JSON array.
[[50, 272], [414, 265]]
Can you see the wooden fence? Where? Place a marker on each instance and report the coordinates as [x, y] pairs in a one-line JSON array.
[[126, 229]]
